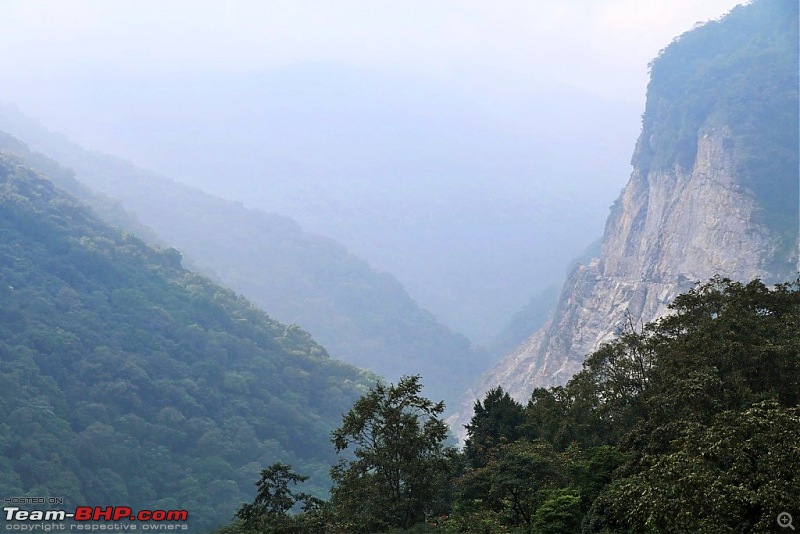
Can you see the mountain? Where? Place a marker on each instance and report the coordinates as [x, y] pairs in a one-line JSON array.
[[358, 314], [128, 379], [714, 190]]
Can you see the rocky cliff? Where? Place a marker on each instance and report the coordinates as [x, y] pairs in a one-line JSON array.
[[713, 191]]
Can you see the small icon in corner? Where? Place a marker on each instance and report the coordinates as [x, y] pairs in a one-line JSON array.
[[785, 520]]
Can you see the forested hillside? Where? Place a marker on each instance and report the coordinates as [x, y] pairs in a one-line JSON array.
[[128, 379], [361, 316]]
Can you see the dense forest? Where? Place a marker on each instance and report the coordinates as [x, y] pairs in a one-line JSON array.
[[689, 424], [126, 377]]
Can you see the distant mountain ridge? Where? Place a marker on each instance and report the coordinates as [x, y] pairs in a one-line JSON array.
[[714, 190], [359, 315]]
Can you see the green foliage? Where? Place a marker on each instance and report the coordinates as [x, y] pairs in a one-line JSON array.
[[560, 513], [128, 378], [269, 512], [399, 459], [734, 475], [496, 420], [514, 483], [725, 385]]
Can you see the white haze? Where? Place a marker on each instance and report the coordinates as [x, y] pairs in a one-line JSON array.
[[469, 148]]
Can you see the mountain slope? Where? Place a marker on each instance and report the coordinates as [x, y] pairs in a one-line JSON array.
[[129, 380], [714, 190], [361, 316]]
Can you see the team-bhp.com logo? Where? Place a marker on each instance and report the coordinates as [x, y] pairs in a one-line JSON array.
[[91, 514]]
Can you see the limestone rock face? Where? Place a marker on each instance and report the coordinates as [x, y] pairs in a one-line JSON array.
[[667, 231]]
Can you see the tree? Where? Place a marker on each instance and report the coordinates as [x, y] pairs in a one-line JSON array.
[[513, 483], [560, 513], [399, 463], [496, 420], [269, 512], [744, 340]]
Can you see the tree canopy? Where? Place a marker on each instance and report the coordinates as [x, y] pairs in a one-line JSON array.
[[399, 458]]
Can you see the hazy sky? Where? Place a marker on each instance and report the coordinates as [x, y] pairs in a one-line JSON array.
[[598, 45]]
